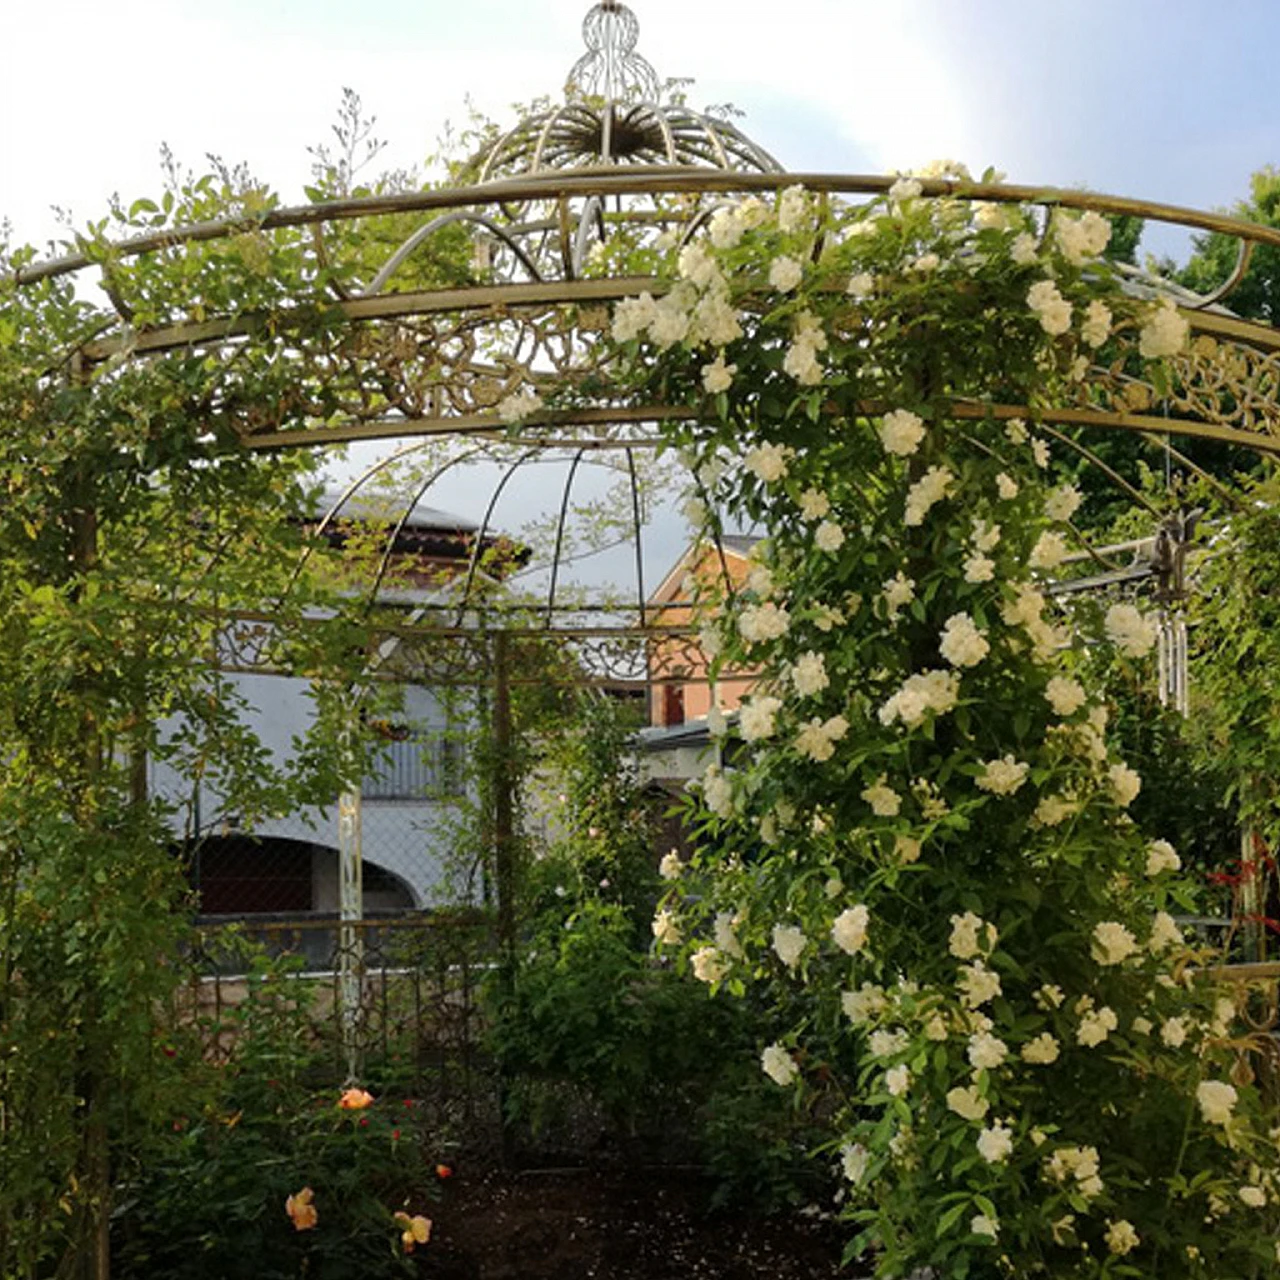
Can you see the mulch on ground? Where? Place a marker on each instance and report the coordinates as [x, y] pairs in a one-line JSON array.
[[587, 1225]]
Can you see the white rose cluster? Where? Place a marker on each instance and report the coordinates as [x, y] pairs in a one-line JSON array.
[[977, 985], [936, 483], [1079, 1165], [818, 737], [920, 694], [759, 623], [801, 360], [1096, 326], [966, 942], [708, 964], [995, 1144], [898, 592], [1082, 238], [1051, 308]]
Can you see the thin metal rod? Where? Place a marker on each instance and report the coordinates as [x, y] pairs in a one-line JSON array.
[[560, 527]]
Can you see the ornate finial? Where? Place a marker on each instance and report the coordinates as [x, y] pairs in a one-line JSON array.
[[611, 68]]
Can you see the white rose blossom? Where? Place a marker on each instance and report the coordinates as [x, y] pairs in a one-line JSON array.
[[1121, 1237], [768, 462], [785, 273], [854, 1159], [965, 942], [518, 406], [670, 868], [977, 985], [995, 1144], [986, 1052], [793, 209], [849, 929], [708, 964], [1041, 1050], [985, 537], [763, 622], [967, 1102], [1095, 1026], [1165, 332], [1130, 630], [963, 644], [1113, 943], [666, 930], [725, 937], [1173, 1032], [883, 1043], [1217, 1101], [789, 943], [809, 674], [978, 568], [1063, 502], [982, 1224], [1006, 487], [757, 718], [1096, 326], [1064, 695], [885, 802], [1165, 934], [814, 504], [1002, 777], [861, 286], [897, 1080], [898, 592], [1162, 857], [1023, 250], [718, 376], [901, 432], [829, 536], [1125, 784], [779, 1065], [868, 1002]]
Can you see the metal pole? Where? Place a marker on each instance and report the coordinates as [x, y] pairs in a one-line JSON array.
[[350, 912]]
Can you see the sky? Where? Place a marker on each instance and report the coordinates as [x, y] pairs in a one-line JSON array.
[[1168, 100]]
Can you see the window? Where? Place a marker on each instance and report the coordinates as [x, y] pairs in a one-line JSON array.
[[416, 764]]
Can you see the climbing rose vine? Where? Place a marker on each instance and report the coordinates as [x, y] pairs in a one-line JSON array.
[[915, 837]]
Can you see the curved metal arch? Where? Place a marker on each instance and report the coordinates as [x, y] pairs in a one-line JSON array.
[[423, 233], [644, 180]]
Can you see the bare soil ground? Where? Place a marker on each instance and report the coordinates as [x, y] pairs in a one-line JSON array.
[[584, 1225]]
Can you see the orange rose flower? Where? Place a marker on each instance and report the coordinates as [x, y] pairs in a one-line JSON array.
[[302, 1213], [417, 1230], [355, 1100]]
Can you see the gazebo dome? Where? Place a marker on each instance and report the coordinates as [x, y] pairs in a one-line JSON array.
[[615, 113]]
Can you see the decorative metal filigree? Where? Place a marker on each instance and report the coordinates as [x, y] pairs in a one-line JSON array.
[[611, 68]]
